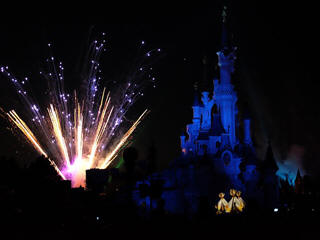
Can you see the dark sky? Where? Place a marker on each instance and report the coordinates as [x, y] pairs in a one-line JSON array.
[[276, 73]]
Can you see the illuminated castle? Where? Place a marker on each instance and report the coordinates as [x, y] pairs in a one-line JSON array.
[[214, 158], [214, 131]]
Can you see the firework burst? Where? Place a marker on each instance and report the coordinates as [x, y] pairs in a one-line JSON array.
[[84, 130]]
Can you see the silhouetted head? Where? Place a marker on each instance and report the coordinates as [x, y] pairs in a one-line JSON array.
[[221, 195], [238, 194]]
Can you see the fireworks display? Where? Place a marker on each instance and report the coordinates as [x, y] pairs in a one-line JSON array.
[[84, 129]]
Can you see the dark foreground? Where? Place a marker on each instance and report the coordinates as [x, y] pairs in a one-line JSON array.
[[126, 225], [33, 206]]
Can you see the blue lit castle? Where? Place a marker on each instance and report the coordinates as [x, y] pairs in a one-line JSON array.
[[214, 131], [214, 158]]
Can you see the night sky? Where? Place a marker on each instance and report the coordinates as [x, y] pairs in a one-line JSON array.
[[276, 70]]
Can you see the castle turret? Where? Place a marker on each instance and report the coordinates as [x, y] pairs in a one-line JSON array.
[[226, 54], [196, 106], [224, 91], [224, 32], [270, 180], [206, 111], [269, 165], [183, 143], [188, 143], [298, 184]]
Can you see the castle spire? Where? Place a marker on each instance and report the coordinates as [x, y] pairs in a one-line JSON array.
[[196, 101], [204, 62], [298, 184], [269, 163], [225, 95], [298, 174], [226, 56], [224, 33], [205, 84]]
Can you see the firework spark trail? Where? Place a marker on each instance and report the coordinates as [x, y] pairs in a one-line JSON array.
[[53, 114], [111, 156], [77, 133], [28, 133], [78, 130], [57, 169], [99, 131]]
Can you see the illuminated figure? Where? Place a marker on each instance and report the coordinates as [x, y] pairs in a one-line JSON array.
[[222, 204], [234, 202], [241, 204]]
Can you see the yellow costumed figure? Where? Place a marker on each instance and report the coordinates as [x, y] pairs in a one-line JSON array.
[[241, 204], [222, 204], [234, 202]]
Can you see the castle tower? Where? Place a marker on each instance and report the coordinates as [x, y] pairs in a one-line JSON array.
[[298, 184], [188, 144], [270, 180], [206, 111], [206, 100], [269, 165], [196, 106], [225, 95]]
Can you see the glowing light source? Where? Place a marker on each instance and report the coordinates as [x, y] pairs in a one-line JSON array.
[[80, 132]]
